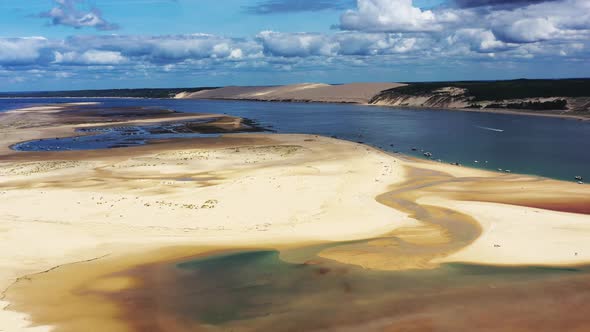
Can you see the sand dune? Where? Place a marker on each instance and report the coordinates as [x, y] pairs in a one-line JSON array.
[[305, 92]]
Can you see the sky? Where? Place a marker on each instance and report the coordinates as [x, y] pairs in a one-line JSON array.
[[100, 44]]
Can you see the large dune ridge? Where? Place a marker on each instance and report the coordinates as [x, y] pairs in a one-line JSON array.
[[304, 92], [567, 98], [86, 212]]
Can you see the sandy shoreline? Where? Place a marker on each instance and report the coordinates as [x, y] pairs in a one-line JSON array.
[[113, 209], [361, 101], [495, 111], [488, 111], [354, 93]]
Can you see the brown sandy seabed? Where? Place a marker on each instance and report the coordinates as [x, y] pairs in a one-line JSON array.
[[79, 296]]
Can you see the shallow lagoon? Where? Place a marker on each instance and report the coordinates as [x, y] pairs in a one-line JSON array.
[[113, 137], [259, 290]]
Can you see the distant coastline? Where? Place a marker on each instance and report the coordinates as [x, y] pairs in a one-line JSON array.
[[567, 98], [563, 98], [107, 93], [549, 114]]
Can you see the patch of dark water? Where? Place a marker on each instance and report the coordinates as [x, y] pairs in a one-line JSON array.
[[118, 136]]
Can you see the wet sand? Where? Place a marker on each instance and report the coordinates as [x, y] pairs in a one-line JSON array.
[[147, 292], [253, 290], [106, 228], [254, 296]]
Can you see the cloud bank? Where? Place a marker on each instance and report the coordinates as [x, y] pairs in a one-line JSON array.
[[387, 36], [496, 3]]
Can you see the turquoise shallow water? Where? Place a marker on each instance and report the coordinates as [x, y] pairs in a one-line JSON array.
[[241, 279], [550, 147]]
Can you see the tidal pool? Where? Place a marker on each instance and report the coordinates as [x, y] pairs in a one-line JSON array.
[[116, 136]]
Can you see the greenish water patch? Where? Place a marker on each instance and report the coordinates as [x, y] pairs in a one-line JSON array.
[[256, 287], [256, 290]]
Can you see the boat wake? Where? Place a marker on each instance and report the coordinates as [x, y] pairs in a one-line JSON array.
[[492, 129]]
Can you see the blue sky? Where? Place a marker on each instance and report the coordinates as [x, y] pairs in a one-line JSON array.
[[75, 44]]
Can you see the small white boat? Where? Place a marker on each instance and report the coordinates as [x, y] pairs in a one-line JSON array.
[[491, 129]]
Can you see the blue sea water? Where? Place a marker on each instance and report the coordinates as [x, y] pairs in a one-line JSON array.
[[551, 147]]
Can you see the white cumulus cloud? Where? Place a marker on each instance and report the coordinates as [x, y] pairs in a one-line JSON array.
[[393, 16], [90, 57], [24, 50]]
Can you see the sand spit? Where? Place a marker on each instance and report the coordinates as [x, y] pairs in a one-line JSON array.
[[51, 108], [305, 92], [62, 120], [224, 195], [76, 209]]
